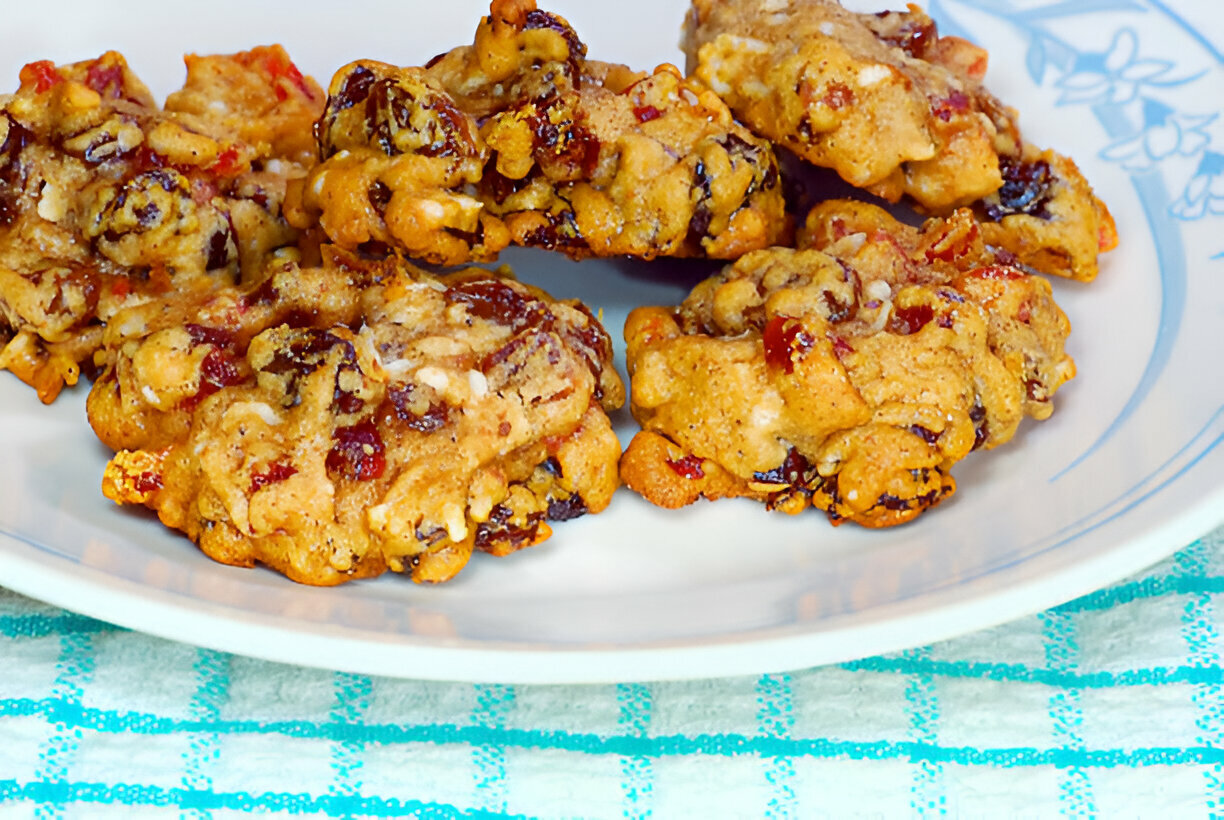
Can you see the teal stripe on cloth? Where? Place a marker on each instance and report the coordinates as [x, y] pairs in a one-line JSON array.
[[74, 669], [635, 702], [42, 626], [63, 793], [1145, 588], [776, 719], [1061, 651], [1199, 632], [718, 744], [493, 704], [1020, 673], [211, 669], [927, 789], [352, 702]]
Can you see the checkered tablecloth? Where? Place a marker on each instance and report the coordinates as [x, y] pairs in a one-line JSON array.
[[1109, 705]]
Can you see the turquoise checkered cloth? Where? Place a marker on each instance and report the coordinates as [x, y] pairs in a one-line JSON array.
[[1110, 705]]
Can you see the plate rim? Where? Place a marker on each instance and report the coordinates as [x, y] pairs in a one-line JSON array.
[[903, 624]]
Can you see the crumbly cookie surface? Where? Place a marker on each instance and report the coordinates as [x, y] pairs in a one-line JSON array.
[[849, 375], [520, 138], [411, 420], [107, 200], [899, 111]]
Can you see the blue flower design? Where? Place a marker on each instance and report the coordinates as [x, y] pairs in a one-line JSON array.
[[1165, 132], [1204, 192], [1114, 76]]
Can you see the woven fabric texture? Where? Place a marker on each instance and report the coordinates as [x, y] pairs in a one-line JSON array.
[[1111, 705]]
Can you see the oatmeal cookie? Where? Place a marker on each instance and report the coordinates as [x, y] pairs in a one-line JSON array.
[[449, 414], [850, 375], [162, 357], [399, 164], [107, 200], [520, 138], [896, 109]]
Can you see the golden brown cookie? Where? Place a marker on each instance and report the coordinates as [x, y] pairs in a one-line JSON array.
[[410, 421], [106, 200], [849, 378], [899, 111], [520, 138], [399, 162]]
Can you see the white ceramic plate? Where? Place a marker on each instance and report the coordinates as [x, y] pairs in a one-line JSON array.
[[1129, 469]]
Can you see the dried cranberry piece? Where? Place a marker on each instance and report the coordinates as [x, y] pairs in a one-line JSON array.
[[42, 74], [687, 467], [786, 342], [907, 320], [217, 369], [358, 452], [147, 482], [107, 80], [841, 348], [954, 104], [913, 36], [349, 403], [277, 472], [593, 343], [646, 113]]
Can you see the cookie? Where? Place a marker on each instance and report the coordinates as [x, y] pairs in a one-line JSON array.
[[849, 375], [107, 200], [412, 420], [897, 110], [519, 138]]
